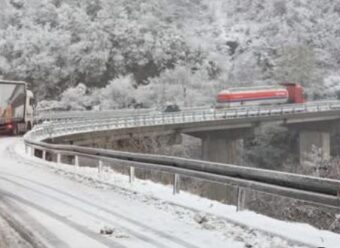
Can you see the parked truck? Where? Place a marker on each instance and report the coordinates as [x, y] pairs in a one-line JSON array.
[[16, 107]]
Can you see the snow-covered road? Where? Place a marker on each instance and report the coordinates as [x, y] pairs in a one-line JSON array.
[[61, 208], [63, 213]]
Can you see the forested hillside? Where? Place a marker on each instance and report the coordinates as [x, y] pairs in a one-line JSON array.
[[128, 53]]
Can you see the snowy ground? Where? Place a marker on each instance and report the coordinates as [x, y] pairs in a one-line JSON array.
[[9, 237], [71, 210]]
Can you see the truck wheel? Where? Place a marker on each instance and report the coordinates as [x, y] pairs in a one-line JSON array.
[[29, 126], [15, 130]]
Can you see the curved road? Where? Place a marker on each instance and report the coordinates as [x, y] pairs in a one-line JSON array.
[[54, 211], [47, 206]]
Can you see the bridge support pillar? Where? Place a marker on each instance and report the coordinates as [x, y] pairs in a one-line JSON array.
[[224, 146], [314, 143], [314, 139], [221, 149]]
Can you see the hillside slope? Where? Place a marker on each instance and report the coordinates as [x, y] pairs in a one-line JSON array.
[[204, 43]]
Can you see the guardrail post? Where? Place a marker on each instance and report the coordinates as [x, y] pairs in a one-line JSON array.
[[32, 151], [28, 150], [76, 161], [44, 154], [58, 158], [132, 174], [177, 184], [241, 196], [100, 167], [270, 111]]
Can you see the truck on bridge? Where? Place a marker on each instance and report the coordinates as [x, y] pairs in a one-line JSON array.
[[261, 95], [16, 107]]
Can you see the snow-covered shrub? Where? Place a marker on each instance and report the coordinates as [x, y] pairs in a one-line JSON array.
[[118, 93], [297, 64], [18, 4], [53, 105], [331, 87], [183, 86], [271, 147], [75, 98], [280, 7]]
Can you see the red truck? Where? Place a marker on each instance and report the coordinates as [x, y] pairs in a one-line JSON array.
[[260, 95]]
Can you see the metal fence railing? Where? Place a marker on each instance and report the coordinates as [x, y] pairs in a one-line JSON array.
[[70, 125], [306, 188]]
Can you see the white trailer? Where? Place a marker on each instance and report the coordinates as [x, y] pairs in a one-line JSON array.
[[16, 107]]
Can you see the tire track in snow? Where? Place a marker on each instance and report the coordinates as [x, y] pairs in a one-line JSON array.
[[75, 226], [163, 235], [25, 235], [44, 237], [138, 235]]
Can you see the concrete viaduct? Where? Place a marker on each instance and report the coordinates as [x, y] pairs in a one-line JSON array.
[[221, 135]]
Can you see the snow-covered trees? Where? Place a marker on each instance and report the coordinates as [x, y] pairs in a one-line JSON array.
[[331, 87], [183, 86], [119, 93], [59, 44], [297, 63], [180, 85]]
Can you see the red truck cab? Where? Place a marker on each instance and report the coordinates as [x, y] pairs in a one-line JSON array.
[[295, 92]]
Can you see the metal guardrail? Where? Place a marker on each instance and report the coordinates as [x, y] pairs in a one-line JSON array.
[[64, 115], [106, 122], [306, 188], [69, 115]]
